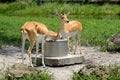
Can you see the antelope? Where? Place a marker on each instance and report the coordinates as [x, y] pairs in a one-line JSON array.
[[70, 29], [36, 32]]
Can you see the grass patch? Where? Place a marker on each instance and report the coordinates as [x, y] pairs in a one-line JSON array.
[[10, 28], [99, 22], [95, 31], [31, 9]]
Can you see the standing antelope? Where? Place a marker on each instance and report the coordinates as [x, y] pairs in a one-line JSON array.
[[70, 29], [36, 32]]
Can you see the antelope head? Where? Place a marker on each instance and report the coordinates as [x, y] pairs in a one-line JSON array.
[[63, 17]]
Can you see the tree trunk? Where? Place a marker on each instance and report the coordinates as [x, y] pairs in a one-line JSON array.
[[39, 2]]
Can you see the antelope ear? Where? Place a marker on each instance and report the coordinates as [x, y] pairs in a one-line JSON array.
[[57, 14], [68, 13]]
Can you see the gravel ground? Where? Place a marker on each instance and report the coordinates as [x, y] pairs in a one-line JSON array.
[[10, 55]]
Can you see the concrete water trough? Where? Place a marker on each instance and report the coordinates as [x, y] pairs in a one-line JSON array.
[[56, 48], [56, 54]]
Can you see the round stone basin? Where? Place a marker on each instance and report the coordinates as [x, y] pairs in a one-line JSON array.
[[56, 48]]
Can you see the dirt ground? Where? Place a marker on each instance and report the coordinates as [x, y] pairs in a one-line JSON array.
[[10, 55]]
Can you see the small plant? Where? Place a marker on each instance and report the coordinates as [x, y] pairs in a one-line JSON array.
[[41, 75], [93, 72], [20, 71]]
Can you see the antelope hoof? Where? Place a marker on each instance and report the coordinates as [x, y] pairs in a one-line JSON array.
[[34, 65], [81, 53], [68, 52], [74, 53], [44, 66], [30, 66]]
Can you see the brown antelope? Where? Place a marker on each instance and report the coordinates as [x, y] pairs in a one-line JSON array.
[[36, 32], [70, 29]]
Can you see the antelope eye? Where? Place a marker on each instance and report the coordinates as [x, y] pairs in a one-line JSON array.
[[62, 17]]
